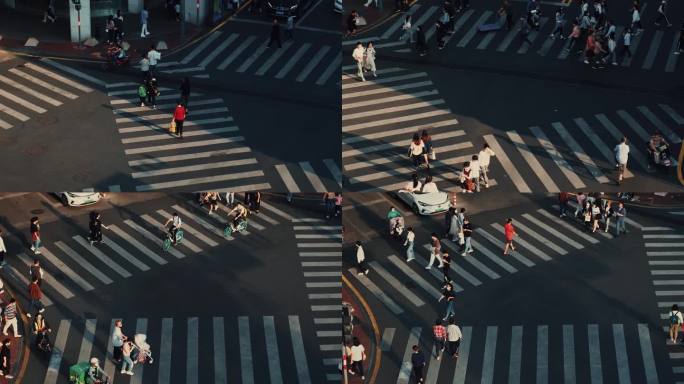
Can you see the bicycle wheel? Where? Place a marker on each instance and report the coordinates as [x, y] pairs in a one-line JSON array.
[[228, 231], [179, 236], [167, 244], [242, 226]]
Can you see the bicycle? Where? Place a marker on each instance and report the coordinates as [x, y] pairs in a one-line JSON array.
[[240, 227], [166, 245]]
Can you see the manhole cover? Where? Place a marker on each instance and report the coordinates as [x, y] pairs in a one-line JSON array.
[[47, 119], [35, 150], [37, 211], [81, 177]]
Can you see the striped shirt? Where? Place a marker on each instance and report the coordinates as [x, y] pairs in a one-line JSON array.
[[11, 311]]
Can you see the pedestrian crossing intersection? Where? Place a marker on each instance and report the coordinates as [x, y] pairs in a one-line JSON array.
[[212, 153], [578, 153], [192, 350], [320, 251], [29, 90], [310, 176], [665, 254], [380, 116], [72, 266], [546, 353], [406, 287], [299, 62], [653, 50]]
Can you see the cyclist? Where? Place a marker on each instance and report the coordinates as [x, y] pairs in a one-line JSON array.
[[241, 213], [175, 222], [393, 216], [95, 374]]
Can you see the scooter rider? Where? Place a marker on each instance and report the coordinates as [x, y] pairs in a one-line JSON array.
[[175, 226], [241, 214], [393, 216], [96, 375], [41, 328], [656, 147]]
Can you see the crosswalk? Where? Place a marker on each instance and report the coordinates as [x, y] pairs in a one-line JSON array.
[[578, 153], [30, 90], [310, 176], [653, 49], [130, 247], [406, 287], [212, 153], [544, 353], [320, 251], [665, 254], [300, 62], [191, 350], [379, 117]]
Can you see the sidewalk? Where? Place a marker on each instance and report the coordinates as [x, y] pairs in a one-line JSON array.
[[54, 38]]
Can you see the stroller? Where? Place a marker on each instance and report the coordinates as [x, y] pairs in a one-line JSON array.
[[142, 352]]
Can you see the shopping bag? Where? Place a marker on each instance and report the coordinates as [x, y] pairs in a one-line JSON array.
[[172, 126]]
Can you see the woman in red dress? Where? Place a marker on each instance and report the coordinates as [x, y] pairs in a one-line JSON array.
[[509, 231]]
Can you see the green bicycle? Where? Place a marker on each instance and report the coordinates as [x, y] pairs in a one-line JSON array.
[[166, 245], [241, 227]]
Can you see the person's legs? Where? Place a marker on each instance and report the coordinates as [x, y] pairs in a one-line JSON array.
[[179, 128], [410, 254], [468, 245], [450, 311]]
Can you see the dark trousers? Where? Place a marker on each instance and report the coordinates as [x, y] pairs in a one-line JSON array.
[[418, 373], [357, 367], [96, 235], [117, 353], [453, 346], [173, 232], [179, 128], [185, 99], [288, 34], [275, 37], [626, 51], [2, 257], [152, 98]]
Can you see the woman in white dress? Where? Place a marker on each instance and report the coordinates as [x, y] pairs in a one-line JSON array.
[[370, 59], [406, 30]]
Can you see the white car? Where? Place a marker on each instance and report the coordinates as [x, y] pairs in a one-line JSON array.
[[79, 199], [426, 203]]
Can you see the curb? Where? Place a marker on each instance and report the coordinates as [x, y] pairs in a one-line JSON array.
[[377, 355]]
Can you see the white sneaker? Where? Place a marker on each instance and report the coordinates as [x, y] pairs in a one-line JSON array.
[[464, 254], [129, 373], [471, 251], [123, 372]]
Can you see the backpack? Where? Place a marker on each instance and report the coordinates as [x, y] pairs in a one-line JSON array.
[[142, 91], [674, 319]]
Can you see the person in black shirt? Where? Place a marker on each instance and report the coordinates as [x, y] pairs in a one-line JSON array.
[[275, 34], [421, 43], [96, 227], [418, 362], [351, 23], [185, 93]]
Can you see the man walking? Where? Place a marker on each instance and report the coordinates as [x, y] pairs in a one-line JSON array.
[[118, 339], [145, 68], [289, 28], [6, 359], [36, 272], [439, 332], [454, 336], [467, 233], [361, 259], [418, 363], [621, 154], [661, 14], [410, 239], [10, 317], [275, 34], [435, 248], [36, 295], [179, 118], [358, 54], [35, 235], [484, 157], [144, 15], [153, 56], [421, 43], [620, 213]]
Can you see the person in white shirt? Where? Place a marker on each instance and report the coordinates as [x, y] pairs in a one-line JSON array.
[[621, 155], [413, 185], [454, 336], [410, 238], [175, 222], [429, 186], [406, 30], [484, 157], [153, 56], [636, 21], [361, 259], [358, 55], [475, 172], [676, 321], [3, 250], [417, 151], [357, 355]]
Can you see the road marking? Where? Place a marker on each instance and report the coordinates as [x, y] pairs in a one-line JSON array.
[[399, 146], [57, 352], [476, 263], [553, 231], [287, 178], [580, 153], [185, 242], [394, 27], [636, 127], [58, 77], [139, 246], [30, 91], [392, 99], [460, 271], [672, 113], [647, 354], [514, 366], [164, 360], [253, 57], [617, 135], [534, 250], [210, 227], [598, 143], [198, 132], [14, 273], [489, 355], [192, 360], [621, 354], [492, 256], [299, 351], [102, 257], [272, 59], [209, 180], [109, 365], [406, 366], [16, 114], [401, 108], [594, 354], [236, 52], [484, 43], [4, 124], [540, 238], [652, 50], [83, 263], [532, 36], [390, 79], [557, 157], [43, 84], [509, 37], [74, 72], [170, 106], [312, 63], [88, 338], [325, 296], [200, 47], [671, 57], [47, 277], [277, 211], [657, 228], [165, 116], [413, 277], [293, 60], [542, 354], [192, 144], [567, 226], [334, 170], [334, 66], [386, 341], [471, 33], [311, 175], [76, 278], [375, 290], [396, 88], [663, 236], [662, 127], [398, 286], [463, 355], [155, 239], [275, 374], [193, 168], [24, 103], [665, 253], [508, 166], [500, 244], [569, 354]]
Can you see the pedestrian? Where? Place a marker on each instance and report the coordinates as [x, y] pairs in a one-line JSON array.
[[609, 213], [110, 29], [417, 151], [580, 198], [361, 259], [145, 68], [179, 115], [435, 248], [329, 203], [454, 336], [610, 29], [620, 213], [563, 200], [144, 16], [154, 57], [230, 199], [289, 28], [369, 2], [506, 12], [338, 204], [595, 217], [460, 219], [417, 363], [36, 272], [253, 201], [448, 294], [185, 93], [213, 198], [439, 332], [484, 157], [589, 48], [3, 251], [421, 43], [621, 151], [177, 11], [680, 44], [118, 24], [509, 233], [451, 12], [429, 147], [636, 21], [96, 227], [352, 20], [448, 217], [573, 36], [441, 33], [587, 215], [35, 296], [446, 265], [369, 59], [675, 323], [406, 31], [358, 355], [560, 22], [10, 318], [626, 43], [118, 339], [127, 362], [467, 233], [475, 172], [50, 12], [409, 244], [662, 9], [275, 34], [152, 92], [359, 54], [142, 92], [35, 235], [612, 45], [6, 356]]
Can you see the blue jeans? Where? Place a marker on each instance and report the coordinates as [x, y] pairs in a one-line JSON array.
[[468, 245], [450, 310], [620, 226], [410, 254], [35, 306], [127, 364], [36, 245]]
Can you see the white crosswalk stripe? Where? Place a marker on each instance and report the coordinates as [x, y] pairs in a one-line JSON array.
[[656, 54]]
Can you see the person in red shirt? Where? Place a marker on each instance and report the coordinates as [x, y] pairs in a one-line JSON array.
[[36, 295], [509, 231], [179, 117], [439, 331]]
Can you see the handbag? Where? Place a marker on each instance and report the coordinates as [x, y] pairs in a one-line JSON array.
[[461, 238], [172, 126], [433, 154]]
